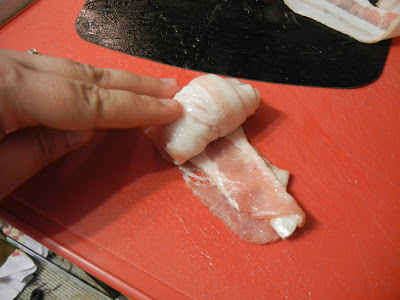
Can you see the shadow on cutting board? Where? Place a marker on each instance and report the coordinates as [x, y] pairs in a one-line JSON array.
[[100, 183]]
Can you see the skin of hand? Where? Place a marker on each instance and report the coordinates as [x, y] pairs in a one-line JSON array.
[[50, 106]]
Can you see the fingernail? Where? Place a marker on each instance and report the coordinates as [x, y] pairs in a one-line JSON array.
[[170, 103], [77, 138], [169, 81]]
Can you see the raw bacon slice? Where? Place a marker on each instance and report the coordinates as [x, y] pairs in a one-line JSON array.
[[212, 107], [356, 18], [244, 190]]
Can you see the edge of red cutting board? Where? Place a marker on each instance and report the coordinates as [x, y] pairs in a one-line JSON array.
[[43, 33], [18, 13], [147, 287]]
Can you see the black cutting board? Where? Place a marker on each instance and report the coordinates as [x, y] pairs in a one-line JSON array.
[[259, 40]]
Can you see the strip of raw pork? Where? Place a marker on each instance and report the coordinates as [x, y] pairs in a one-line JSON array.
[[228, 175], [356, 18]]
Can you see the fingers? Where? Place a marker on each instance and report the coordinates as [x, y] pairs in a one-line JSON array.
[[25, 152], [67, 104], [106, 78]]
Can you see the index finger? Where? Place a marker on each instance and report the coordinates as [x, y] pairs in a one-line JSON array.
[[106, 78]]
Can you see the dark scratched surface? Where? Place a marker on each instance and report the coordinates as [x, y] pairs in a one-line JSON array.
[[259, 40]]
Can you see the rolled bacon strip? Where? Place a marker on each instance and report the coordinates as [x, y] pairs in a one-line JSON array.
[[212, 107], [356, 18]]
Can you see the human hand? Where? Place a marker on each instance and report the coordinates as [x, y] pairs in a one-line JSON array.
[[50, 106]]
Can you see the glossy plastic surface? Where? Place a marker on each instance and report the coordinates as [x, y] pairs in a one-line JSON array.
[[256, 40], [119, 211]]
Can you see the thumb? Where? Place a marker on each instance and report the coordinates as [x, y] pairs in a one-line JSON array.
[[25, 152]]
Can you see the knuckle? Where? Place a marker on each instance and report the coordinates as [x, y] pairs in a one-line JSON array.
[[144, 108], [89, 73], [94, 98], [95, 74], [144, 104]]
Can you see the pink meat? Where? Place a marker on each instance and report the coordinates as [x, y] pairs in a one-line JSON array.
[[381, 18], [242, 224], [240, 188]]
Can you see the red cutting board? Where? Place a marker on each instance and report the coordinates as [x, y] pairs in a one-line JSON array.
[[117, 210]]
